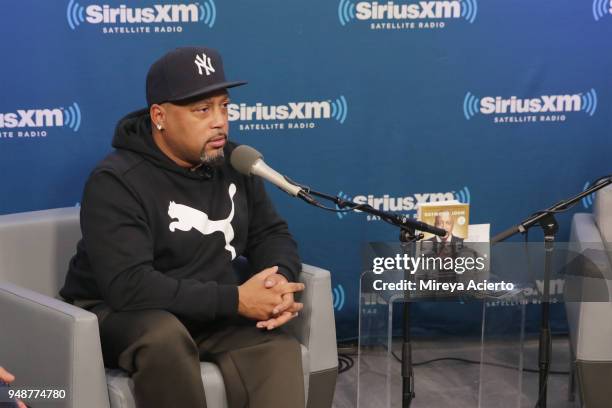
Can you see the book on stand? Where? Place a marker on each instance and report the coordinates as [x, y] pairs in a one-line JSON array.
[[452, 216]]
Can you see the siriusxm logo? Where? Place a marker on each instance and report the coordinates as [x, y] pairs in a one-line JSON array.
[[339, 297], [405, 14], [295, 113], [404, 203], [293, 110], [601, 8], [158, 15], [37, 118], [553, 106], [587, 201], [33, 123]]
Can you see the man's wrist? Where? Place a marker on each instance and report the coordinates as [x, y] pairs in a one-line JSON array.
[[290, 276], [227, 301]]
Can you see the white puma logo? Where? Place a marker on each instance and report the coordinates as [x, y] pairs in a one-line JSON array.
[[189, 218]]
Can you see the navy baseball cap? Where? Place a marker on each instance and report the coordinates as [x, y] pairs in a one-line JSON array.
[[184, 73]]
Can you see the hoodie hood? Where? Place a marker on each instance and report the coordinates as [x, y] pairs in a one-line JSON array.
[[133, 133]]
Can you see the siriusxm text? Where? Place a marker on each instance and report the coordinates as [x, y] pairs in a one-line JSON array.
[[420, 10], [544, 103], [292, 110], [408, 203], [32, 118], [158, 13]]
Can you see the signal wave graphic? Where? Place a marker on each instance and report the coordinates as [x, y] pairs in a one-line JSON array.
[[463, 195], [470, 105], [208, 12], [469, 9], [601, 8], [339, 297], [587, 202], [344, 197], [74, 14], [339, 109], [589, 102], [72, 116], [346, 11]]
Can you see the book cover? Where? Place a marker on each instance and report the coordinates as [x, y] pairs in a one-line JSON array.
[[452, 216]]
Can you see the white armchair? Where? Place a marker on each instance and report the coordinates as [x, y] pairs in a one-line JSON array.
[[589, 315]]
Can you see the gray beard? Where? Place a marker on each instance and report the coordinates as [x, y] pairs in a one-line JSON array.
[[213, 161]]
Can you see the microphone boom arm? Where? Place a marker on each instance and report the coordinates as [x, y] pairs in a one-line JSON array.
[[398, 220]]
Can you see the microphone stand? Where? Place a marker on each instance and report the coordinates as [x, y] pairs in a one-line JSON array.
[[546, 220], [408, 237], [407, 224]]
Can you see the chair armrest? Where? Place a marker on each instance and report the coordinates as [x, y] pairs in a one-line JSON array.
[[584, 229], [585, 238], [48, 343], [602, 215], [315, 327]]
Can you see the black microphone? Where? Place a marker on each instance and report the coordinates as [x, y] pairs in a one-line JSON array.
[[420, 226]]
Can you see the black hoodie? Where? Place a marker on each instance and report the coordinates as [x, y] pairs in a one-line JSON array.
[[157, 236]]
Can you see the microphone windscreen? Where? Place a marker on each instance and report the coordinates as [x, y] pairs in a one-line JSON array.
[[243, 158]]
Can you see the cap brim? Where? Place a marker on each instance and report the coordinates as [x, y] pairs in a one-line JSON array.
[[207, 90]]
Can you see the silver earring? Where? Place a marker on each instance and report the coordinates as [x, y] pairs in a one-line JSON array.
[[159, 127]]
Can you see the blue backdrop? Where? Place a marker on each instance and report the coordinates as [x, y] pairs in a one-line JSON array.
[[502, 104]]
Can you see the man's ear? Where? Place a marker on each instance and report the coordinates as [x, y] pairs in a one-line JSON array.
[[158, 116]]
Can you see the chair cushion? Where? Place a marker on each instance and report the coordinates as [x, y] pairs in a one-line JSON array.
[[121, 386]]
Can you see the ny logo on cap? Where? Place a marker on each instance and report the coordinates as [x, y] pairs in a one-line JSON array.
[[202, 61]]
